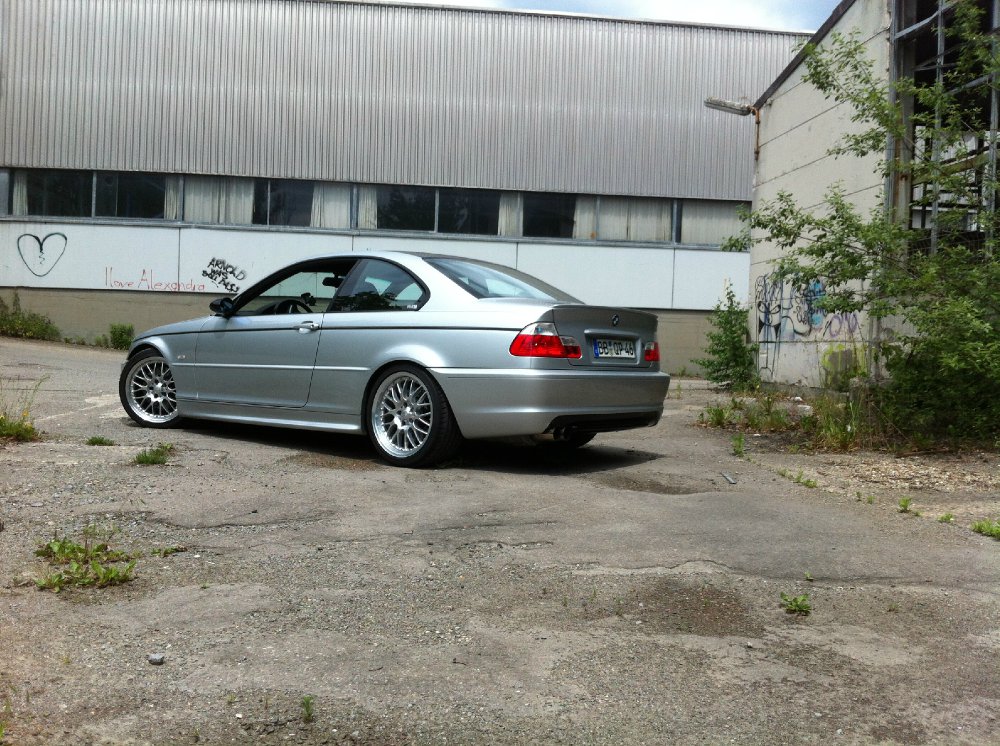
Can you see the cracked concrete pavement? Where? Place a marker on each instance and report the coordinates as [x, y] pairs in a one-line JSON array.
[[627, 593]]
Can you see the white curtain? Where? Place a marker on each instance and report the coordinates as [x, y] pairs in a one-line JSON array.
[[20, 193], [173, 188], [216, 199], [511, 214], [709, 222], [585, 218], [614, 214], [331, 205], [368, 207], [649, 220]]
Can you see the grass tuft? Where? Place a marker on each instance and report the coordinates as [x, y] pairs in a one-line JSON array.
[[154, 456]]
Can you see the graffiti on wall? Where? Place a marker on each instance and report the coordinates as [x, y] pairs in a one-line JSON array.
[[791, 313], [224, 274], [40, 255]]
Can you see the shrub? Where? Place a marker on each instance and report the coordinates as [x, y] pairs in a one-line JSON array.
[[731, 357], [120, 336], [16, 322]]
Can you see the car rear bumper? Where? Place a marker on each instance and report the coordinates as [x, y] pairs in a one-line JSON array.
[[502, 403]]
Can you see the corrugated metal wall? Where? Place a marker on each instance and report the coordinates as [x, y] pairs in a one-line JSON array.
[[380, 93]]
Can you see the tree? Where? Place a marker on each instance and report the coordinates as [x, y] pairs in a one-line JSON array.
[[730, 360], [936, 288]]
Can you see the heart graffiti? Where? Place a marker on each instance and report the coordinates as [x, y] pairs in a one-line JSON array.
[[40, 255]]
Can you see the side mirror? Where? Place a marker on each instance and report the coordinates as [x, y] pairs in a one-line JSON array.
[[222, 306]]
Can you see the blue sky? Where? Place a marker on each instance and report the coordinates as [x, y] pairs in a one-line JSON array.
[[791, 15]]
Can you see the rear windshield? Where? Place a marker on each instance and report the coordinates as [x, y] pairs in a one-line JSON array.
[[494, 281]]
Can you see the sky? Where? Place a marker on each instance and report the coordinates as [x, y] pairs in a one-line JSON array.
[[787, 15]]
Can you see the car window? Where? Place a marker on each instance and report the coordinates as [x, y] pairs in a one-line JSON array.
[[303, 292], [485, 280], [378, 285]]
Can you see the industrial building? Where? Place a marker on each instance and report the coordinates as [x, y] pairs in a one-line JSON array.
[[799, 130], [156, 155]]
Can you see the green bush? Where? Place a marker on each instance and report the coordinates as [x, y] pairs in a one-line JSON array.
[[731, 357], [120, 337], [16, 322]]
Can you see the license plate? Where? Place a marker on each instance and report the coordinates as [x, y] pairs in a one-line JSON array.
[[614, 348]]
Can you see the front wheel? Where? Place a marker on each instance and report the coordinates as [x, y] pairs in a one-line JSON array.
[[148, 391], [409, 419]]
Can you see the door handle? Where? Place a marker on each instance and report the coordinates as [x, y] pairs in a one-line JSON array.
[[307, 326]]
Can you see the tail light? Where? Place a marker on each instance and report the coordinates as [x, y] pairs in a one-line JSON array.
[[651, 352], [542, 340]]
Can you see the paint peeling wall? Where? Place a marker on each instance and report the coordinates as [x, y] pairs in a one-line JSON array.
[[799, 343]]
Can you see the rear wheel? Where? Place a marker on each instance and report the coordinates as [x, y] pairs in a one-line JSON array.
[[409, 419], [148, 391]]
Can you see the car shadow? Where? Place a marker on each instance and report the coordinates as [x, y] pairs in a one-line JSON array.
[[479, 455], [549, 459]]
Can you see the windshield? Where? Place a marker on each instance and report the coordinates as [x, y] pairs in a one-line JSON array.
[[494, 281]]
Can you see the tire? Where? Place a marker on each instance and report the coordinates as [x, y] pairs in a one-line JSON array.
[[148, 391], [409, 420]]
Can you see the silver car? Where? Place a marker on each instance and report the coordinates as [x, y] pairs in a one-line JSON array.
[[415, 351]]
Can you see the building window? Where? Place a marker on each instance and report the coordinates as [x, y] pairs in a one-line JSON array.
[[56, 193], [405, 208], [549, 215], [218, 199], [131, 195], [635, 219], [282, 202], [708, 222], [468, 211]]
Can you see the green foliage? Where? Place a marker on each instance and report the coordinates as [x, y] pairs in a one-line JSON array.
[[946, 518], [730, 356], [796, 604], [99, 440], [154, 456], [92, 563], [120, 336], [937, 290], [834, 424], [16, 322], [15, 413], [987, 528], [307, 708], [904, 504], [739, 445]]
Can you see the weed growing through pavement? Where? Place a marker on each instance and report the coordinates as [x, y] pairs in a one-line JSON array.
[[739, 445], [904, 504], [167, 551], [15, 413], [91, 563], [809, 577], [798, 478], [947, 518], [307, 708], [99, 440], [154, 456], [987, 528], [796, 604]]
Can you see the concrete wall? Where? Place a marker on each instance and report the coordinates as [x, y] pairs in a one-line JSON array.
[[799, 344], [85, 315], [87, 276]]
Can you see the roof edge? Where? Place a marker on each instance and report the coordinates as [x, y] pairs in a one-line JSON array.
[[816, 38]]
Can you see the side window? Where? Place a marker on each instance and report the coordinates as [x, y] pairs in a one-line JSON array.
[[303, 292], [377, 285]]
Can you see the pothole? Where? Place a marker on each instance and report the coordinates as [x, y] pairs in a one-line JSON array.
[[672, 485], [329, 461]]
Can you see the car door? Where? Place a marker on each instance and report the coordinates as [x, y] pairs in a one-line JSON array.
[[371, 314], [265, 352]]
